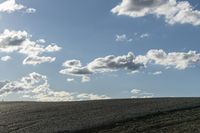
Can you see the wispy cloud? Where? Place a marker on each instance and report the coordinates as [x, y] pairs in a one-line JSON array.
[[123, 38], [30, 10], [136, 93], [135, 37], [144, 35], [157, 73]]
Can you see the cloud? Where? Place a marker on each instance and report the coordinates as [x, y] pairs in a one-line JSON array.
[[113, 63], [85, 96], [6, 58], [157, 73], [136, 93], [35, 60], [20, 42], [173, 11], [3, 83], [137, 36], [10, 6], [123, 38], [144, 35], [52, 48], [41, 41], [70, 79], [177, 60], [26, 84], [131, 63], [30, 10], [85, 79], [100, 65], [35, 87], [75, 68]]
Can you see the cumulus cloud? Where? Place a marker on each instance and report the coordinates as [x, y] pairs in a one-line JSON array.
[[35, 86], [173, 11], [20, 42], [26, 84], [177, 60], [3, 83], [6, 58], [100, 65], [113, 63], [136, 93], [131, 63], [10, 6], [75, 68], [52, 48]]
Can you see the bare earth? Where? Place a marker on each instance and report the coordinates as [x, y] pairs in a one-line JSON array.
[[158, 115]]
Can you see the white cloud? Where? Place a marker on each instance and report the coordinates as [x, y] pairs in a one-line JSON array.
[[11, 40], [100, 65], [85, 96], [136, 93], [123, 38], [35, 87], [177, 60], [3, 83], [52, 48], [75, 68], [5, 58], [35, 60], [30, 10], [10, 6], [85, 79], [173, 11], [144, 35], [136, 36], [20, 42], [113, 63], [131, 63], [41, 41], [157, 73], [70, 79]]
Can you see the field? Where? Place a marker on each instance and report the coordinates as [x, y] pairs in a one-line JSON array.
[[103, 116]]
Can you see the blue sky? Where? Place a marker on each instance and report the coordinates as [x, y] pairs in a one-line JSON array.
[[88, 30]]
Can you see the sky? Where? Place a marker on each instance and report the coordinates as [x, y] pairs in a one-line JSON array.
[[98, 49]]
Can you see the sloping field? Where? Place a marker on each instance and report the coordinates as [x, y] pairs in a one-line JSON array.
[[104, 116], [177, 121]]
